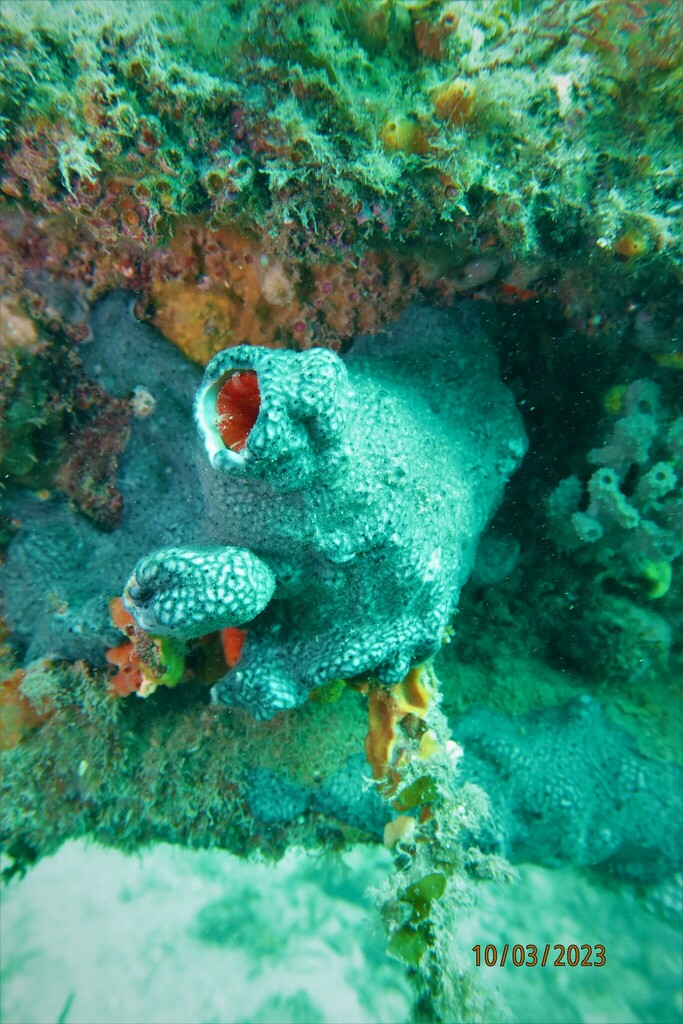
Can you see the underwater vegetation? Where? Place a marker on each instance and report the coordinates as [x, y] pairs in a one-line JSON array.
[[341, 441], [294, 174]]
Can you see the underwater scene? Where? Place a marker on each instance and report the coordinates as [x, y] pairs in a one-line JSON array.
[[341, 511]]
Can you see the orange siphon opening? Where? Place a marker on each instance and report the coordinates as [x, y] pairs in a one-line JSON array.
[[237, 408]]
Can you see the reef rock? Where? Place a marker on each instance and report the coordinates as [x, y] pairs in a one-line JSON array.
[[61, 571]]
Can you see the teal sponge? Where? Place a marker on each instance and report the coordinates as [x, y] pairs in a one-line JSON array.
[[359, 485]]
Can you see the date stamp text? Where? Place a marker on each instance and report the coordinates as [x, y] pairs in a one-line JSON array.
[[543, 956]]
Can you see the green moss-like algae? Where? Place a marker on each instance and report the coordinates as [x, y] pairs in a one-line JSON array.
[[283, 113], [169, 768]]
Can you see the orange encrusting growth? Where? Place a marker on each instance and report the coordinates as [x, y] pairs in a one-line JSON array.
[[121, 618], [454, 102], [144, 662], [17, 715], [412, 695], [232, 640], [237, 408], [390, 711], [128, 679], [381, 737]]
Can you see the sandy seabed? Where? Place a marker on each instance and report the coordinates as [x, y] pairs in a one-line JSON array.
[[94, 937]]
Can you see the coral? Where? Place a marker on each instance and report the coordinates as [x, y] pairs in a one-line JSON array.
[[352, 298], [272, 799], [345, 795], [567, 785], [209, 287], [631, 504], [369, 540]]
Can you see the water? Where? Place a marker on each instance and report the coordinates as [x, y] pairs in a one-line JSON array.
[[341, 442]]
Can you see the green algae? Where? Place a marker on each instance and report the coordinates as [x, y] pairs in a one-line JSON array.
[[545, 161], [31, 424], [409, 945], [422, 791], [128, 772]]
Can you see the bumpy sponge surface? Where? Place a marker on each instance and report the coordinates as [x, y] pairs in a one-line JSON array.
[[187, 593], [363, 485]]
